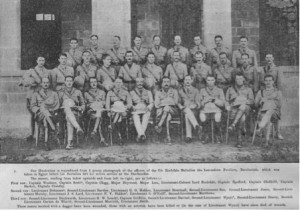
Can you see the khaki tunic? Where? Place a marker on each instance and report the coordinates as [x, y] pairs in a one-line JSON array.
[[130, 74], [162, 99], [117, 55], [58, 75], [204, 51], [96, 55], [224, 76], [118, 95], [251, 76], [214, 56], [74, 95], [74, 57], [199, 73], [139, 55], [94, 95], [144, 97], [189, 96], [152, 75], [184, 54], [275, 72], [217, 93], [160, 53], [85, 72], [176, 72], [237, 57]]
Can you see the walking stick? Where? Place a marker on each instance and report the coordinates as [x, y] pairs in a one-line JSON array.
[[110, 121], [256, 123], [227, 125], [212, 131]]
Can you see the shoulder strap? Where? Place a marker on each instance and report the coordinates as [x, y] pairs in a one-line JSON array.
[[116, 55], [71, 56], [37, 74], [175, 71], [61, 72], [222, 75], [137, 53], [262, 93], [91, 94], [126, 70], [151, 73], [106, 72]]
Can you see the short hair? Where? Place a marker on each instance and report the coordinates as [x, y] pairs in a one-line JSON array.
[[188, 76], [269, 75], [46, 78], [222, 53], [62, 54], [40, 56], [104, 56], [211, 76], [246, 55], [198, 53], [73, 38], [94, 35], [120, 78], [165, 77], [128, 51], [243, 37], [69, 76], [118, 37], [137, 36], [150, 53], [156, 36], [197, 35], [92, 78], [239, 74], [176, 51], [177, 35], [219, 36], [86, 51], [269, 54]]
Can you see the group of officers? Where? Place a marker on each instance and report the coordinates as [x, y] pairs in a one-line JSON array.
[[119, 83]]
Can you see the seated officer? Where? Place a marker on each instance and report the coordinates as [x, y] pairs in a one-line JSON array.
[[224, 73], [95, 102], [142, 100], [166, 101], [212, 99], [176, 71], [152, 74], [45, 105], [199, 71], [269, 101], [239, 99], [33, 79], [106, 74], [190, 103], [118, 102], [85, 71], [73, 104], [130, 71]]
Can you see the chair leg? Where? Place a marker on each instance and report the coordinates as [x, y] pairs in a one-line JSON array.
[[88, 130], [212, 131], [46, 133], [37, 133]]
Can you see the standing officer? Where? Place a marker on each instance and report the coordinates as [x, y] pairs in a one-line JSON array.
[[184, 52], [212, 99], [199, 48], [215, 53], [237, 60], [59, 73], [142, 101], [160, 52], [139, 52], [74, 55], [33, 79], [176, 71], [95, 50], [130, 71], [166, 102], [189, 102], [106, 74], [199, 71], [152, 74], [117, 53], [239, 100]]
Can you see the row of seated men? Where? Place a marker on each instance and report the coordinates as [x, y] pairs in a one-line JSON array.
[[169, 92]]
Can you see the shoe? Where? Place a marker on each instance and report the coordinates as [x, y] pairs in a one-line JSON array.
[[168, 140], [258, 132], [199, 130], [238, 145], [231, 127], [158, 129], [279, 136], [205, 140], [94, 135], [47, 148], [103, 143], [30, 138], [218, 140], [188, 140], [69, 147], [80, 133], [143, 138]]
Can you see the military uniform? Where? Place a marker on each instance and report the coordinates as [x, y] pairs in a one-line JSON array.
[[94, 96], [215, 56], [204, 50], [275, 72], [106, 77], [190, 99], [74, 57], [224, 76], [142, 105], [237, 57], [139, 55], [84, 73], [160, 53], [129, 74], [118, 57], [184, 54], [199, 73], [251, 76], [152, 75], [176, 71], [58, 75], [166, 101], [96, 55]]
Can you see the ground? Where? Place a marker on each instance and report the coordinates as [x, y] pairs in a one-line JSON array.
[[16, 149]]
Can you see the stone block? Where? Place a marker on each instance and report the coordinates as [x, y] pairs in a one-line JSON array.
[[241, 31], [254, 31], [236, 23], [250, 23], [16, 98], [3, 98]]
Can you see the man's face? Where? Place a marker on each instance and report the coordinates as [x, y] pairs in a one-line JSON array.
[[199, 58], [86, 57], [129, 57], [239, 80], [210, 81], [69, 82], [107, 61], [139, 83], [116, 41], [269, 82], [73, 44], [218, 41], [137, 41], [243, 42], [93, 83], [176, 56], [269, 59], [151, 59], [118, 83], [40, 61], [94, 41], [245, 59], [62, 60], [156, 41], [45, 83], [223, 59], [166, 83], [187, 81], [177, 40], [197, 40]]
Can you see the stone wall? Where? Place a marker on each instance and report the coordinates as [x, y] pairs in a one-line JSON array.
[[245, 21]]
